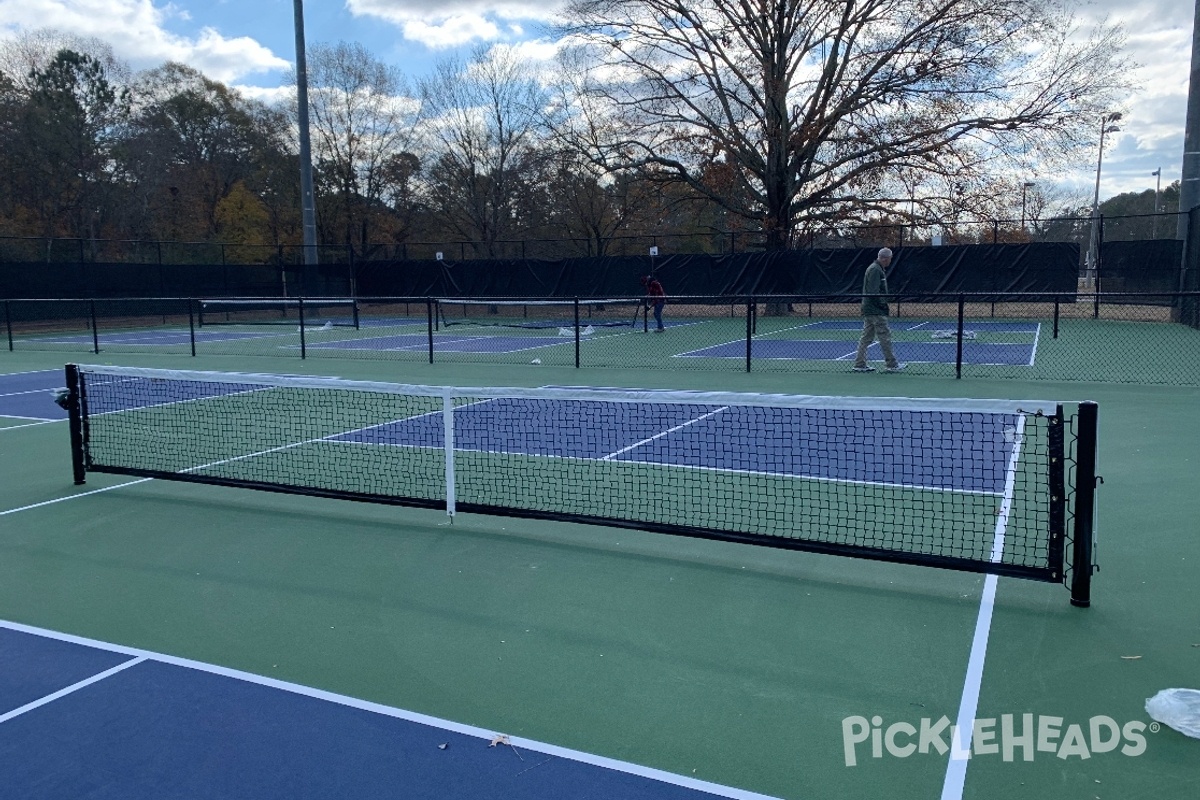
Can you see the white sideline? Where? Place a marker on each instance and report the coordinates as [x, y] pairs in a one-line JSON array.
[[960, 740], [396, 713]]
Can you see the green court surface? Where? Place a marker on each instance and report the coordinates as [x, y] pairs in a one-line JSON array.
[[739, 665]]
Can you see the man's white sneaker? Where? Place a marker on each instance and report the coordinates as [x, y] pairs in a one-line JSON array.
[[897, 368], [864, 369]]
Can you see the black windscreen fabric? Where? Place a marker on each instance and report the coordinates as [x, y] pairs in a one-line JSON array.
[[1034, 267], [1145, 266]]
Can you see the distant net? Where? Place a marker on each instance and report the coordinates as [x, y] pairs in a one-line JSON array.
[[541, 315], [315, 313], [977, 485]]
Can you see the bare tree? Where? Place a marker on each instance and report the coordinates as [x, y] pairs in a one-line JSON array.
[[482, 124], [807, 112], [362, 118]]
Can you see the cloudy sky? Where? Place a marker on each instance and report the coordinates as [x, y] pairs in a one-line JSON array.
[[250, 44]]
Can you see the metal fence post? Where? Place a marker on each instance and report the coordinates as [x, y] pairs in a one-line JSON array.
[[749, 328], [576, 303], [429, 320], [958, 359], [303, 347], [192, 324], [95, 330]]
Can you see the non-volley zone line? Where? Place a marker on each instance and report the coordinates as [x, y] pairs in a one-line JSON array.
[[127, 708]]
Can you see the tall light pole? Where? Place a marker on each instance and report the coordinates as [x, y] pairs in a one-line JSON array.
[[1157, 191], [1189, 185], [308, 210], [1094, 244], [1024, 188]]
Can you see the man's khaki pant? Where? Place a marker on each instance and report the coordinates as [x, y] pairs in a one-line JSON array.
[[875, 327]]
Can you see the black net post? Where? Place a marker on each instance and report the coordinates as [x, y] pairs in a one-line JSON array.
[[1085, 503], [576, 308], [303, 342], [95, 332], [1056, 302], [749, 329], [8, 323], [958, 356], [429, 318], [191, 307], [75, 421]]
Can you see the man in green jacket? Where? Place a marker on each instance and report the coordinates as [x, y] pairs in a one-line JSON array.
[[875, 314]]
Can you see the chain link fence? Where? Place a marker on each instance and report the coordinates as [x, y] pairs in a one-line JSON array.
[[1146, 338]]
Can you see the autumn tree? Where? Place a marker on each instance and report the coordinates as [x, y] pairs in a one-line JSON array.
[[819, 111], [193, 141], [70, 124]]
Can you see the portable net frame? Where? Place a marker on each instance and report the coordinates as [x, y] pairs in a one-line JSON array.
[[976, 485], [339, 312], [540, 315]]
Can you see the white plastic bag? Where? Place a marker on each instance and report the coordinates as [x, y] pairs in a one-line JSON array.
[[1178, 709]]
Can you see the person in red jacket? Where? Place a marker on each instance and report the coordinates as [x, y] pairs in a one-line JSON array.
[[656, 298]]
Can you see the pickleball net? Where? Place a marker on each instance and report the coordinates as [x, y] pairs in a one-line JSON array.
[[980, 485], [315, 312], [540, 315]]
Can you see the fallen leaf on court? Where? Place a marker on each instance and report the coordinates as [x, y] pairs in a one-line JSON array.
[[499, 738], [1130, 658], [443, 746]]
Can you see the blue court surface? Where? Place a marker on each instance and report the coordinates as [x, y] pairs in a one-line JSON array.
[[29, 395], [743, 439], [155, 338], [932, 352], [939, 451], [85, 719], [447, 343], [990, 326]]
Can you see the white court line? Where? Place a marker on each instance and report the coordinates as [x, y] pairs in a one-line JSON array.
[[31, 372], [611, 456], [72, 497], [40, 421], [960, 739], [1037, 335], [50, 698], [398, 713], [48, 389]]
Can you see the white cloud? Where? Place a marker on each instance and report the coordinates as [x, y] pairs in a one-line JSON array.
[[450, 32], [1159, 39], [401, 11], [135, 29], [275, 95], [454, 22]]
